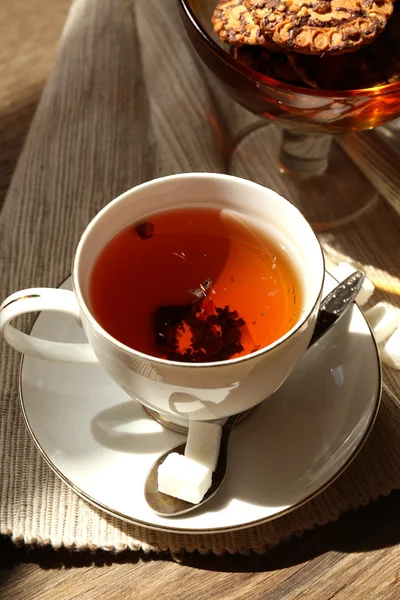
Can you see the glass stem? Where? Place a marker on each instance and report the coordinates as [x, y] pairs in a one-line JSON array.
[[304, 153]]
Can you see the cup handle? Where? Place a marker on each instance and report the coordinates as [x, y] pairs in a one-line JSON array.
[[41, 299]]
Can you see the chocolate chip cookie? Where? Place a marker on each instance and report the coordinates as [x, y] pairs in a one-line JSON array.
[[235, 26], [376, 64], [320, 26]]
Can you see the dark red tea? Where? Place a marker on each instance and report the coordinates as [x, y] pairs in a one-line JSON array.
[[194, 285]]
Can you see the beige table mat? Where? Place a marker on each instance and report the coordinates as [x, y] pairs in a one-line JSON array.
[[127, 101]]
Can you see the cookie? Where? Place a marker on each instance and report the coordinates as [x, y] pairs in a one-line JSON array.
[[233, 24], [376, 64], [321, 26]]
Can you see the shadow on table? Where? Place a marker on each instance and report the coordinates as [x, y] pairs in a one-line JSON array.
[[370, 528]]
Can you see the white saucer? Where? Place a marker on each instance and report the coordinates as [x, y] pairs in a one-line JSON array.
[[102, 443]]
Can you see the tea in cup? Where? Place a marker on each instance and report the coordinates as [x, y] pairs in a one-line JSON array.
[[198, 294]]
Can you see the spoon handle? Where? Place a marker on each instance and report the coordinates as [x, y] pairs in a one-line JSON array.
[[336, 303]]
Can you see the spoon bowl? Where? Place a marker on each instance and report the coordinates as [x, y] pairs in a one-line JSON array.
[[169, 506]]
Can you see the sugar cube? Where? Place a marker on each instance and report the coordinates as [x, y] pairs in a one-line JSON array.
[[391, 350], [344, 270], [183, 478], [383, 321], [203, 442]]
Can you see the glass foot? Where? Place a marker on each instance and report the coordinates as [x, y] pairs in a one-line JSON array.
[[313, 172]]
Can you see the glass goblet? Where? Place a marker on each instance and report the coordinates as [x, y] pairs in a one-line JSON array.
[[297, 146]]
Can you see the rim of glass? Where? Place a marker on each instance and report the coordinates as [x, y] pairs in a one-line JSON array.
[[258, 77]]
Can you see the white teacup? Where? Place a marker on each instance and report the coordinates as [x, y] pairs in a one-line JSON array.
[[205, 391]]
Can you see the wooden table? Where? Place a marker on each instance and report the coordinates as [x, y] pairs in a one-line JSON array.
[[356, 558], [353, 559]]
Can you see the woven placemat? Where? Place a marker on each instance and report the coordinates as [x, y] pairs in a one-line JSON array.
[[127, 101]]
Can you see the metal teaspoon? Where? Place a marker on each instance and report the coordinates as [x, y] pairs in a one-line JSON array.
[[332, 307]]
